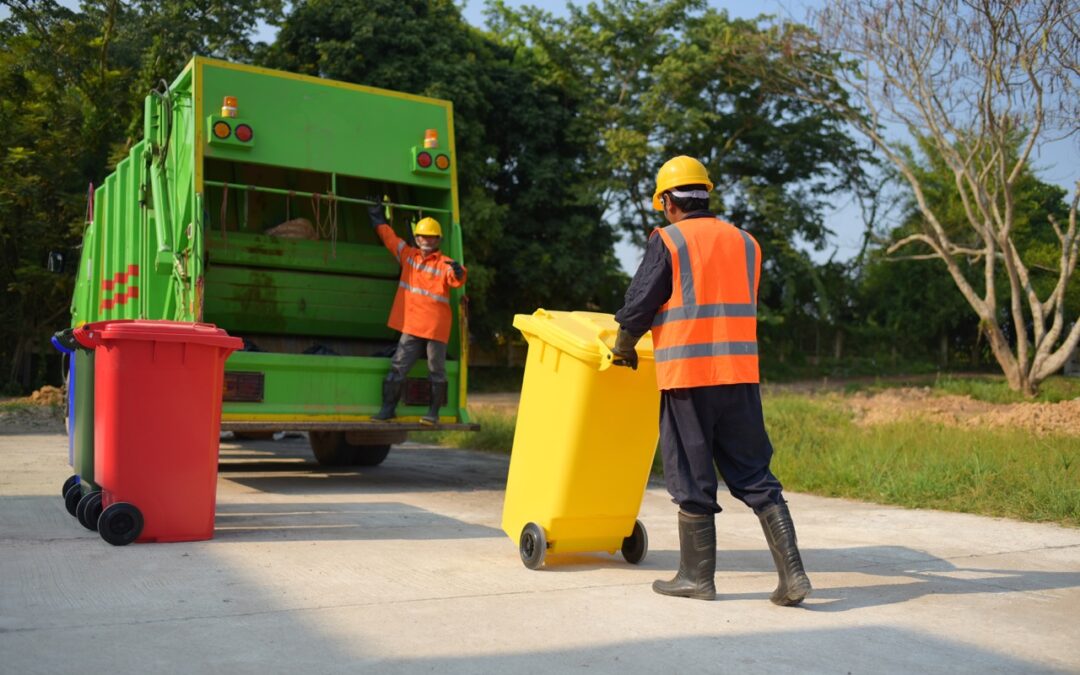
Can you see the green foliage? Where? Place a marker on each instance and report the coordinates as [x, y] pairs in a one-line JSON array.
[[919, 465], [72, 85], [676, 77], [533, 237]]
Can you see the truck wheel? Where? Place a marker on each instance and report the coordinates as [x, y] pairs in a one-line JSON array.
[[330, 448], [532, 546], [89, 510], [636, 545], [120, 524], [369, 455]]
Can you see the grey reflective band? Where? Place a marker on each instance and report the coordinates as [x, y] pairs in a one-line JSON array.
[[420, 291], [686, 274], [728, 309], [400, 245], [708, 349], [690, 194], [751, 263], [423, 268]]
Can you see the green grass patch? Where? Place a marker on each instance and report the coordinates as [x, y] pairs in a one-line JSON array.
[[994, 389], [914, 464], [496, 433], [917, 464], [17, 404]]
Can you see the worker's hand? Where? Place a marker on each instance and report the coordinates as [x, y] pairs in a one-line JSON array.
[[456, 268], [377, 214], [624, 352]]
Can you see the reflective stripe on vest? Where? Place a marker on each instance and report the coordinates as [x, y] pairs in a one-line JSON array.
[[422, 268], [420, 291], [720, 336]]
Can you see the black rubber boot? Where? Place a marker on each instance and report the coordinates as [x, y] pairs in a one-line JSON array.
[[697, 560], [780, 533], [391, 394], [432, 416]]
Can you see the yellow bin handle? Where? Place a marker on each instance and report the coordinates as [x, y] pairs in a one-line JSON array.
[[606, 355]]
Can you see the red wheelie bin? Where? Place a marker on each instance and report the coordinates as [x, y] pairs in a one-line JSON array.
[[157, 417]]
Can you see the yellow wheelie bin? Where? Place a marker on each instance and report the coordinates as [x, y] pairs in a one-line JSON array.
[[584, 442]]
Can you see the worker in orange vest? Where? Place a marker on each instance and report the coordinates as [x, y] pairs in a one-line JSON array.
[[696, 289], [421, 309]]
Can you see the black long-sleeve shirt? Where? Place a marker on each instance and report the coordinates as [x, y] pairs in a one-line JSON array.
[[651, 286]]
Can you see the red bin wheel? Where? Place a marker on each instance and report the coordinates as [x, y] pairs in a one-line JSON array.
[[120, 524]]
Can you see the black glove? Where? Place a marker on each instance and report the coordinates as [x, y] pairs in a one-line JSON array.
[[377, 214], [624, 352], [456, 268]]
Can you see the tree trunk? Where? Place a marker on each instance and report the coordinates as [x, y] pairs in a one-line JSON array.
[[838, 345]]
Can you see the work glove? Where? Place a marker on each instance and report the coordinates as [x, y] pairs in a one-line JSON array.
[[377, 214], [456, 268], [624, 352]]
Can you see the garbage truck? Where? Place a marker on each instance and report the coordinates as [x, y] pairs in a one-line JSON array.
[[246, 206]]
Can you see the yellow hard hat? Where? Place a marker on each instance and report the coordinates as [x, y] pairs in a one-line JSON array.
[[428, 227], [681, 170]]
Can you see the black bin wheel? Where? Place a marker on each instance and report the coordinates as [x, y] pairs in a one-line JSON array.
[[532, 546], [72, 497], [636, 545], [120, 524], [89, 510], [72, 480]]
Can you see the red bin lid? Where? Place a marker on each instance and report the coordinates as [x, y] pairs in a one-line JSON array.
[[159, 331]]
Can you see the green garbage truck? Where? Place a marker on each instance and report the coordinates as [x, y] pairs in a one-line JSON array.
[[245, 205]]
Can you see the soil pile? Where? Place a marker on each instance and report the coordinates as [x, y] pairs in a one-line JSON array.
[[906, 403]]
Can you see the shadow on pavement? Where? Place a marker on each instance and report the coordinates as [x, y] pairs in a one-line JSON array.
[[913, 574], [327, 521], [287, 467]]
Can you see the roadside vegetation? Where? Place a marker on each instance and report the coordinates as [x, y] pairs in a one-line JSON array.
[[912, 462]]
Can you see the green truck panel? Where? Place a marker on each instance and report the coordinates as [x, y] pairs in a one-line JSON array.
[[258, 223]]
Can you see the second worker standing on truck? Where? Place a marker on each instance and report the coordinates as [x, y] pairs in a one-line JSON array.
[[696, 289], [421, 309]]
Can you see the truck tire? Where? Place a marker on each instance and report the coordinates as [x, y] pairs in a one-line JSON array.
[[369, 455], [338, 448], [330, 448]]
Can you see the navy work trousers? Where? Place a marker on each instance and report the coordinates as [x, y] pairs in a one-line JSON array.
[[705, 429]]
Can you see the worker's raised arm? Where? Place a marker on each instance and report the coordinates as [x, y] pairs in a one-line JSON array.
[[393, 243]]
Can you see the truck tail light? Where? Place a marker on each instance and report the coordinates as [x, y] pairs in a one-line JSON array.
[[423, 160], [244, 133]]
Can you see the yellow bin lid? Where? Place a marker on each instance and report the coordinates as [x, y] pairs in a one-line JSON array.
[[587, 336]]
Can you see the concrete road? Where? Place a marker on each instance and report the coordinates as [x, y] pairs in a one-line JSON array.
[[403, 569]]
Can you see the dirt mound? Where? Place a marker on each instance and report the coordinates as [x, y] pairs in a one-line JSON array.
[[963, 411], [48, 395]]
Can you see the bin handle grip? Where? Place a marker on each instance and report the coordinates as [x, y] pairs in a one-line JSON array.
[[606, 355]]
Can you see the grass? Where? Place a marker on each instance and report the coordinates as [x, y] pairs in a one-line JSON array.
[[496, 433], [993, 389], [917, 464], [911, 463]]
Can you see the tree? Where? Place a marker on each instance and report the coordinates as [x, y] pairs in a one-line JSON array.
[[979, 85], [533, 236], [666, 78], [72, 85]]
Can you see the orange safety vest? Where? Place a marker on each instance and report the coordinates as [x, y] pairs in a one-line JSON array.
[[706, 333], [422, 304]]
